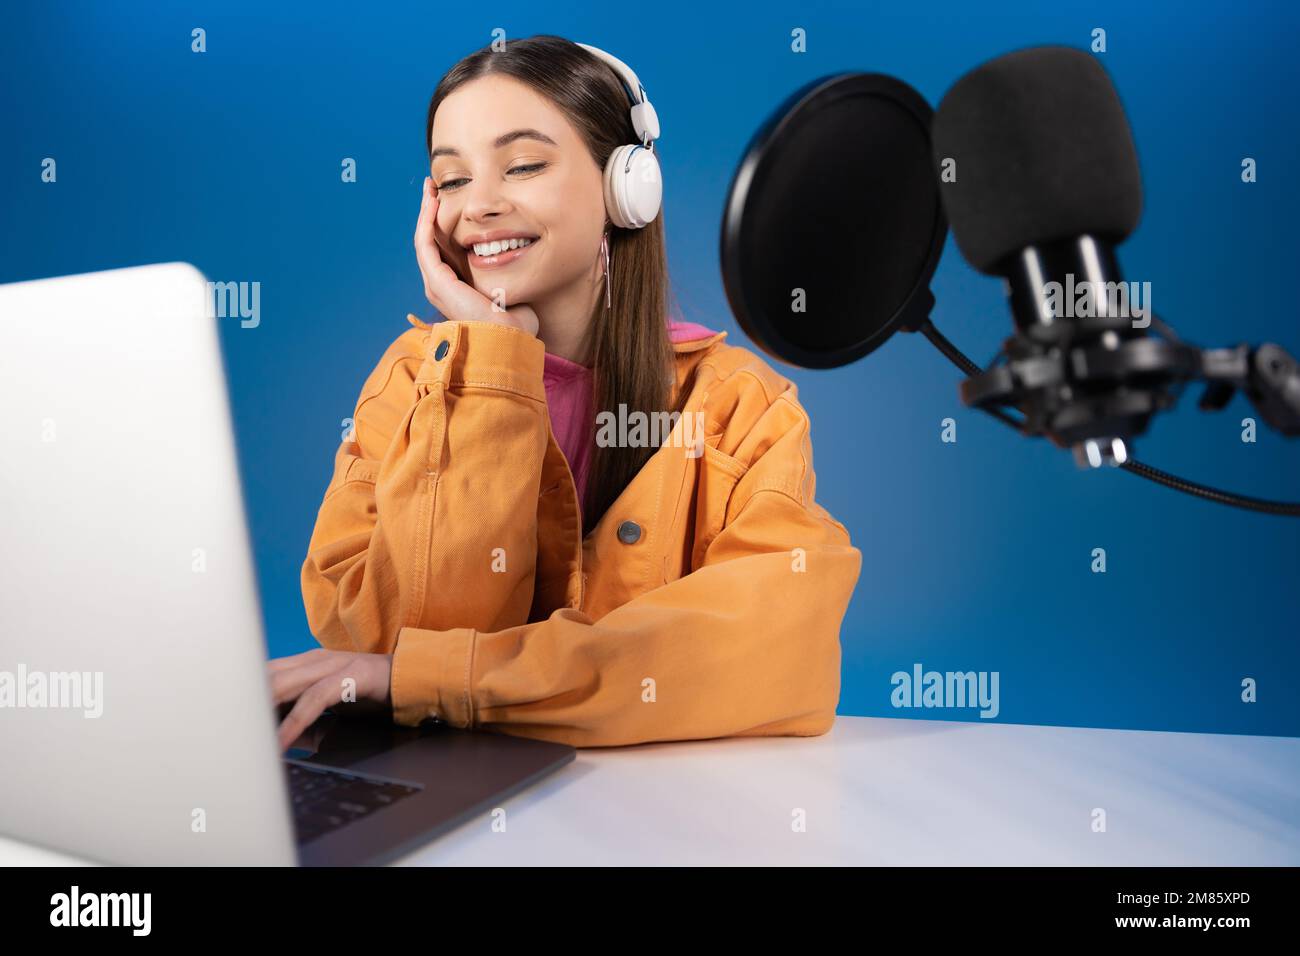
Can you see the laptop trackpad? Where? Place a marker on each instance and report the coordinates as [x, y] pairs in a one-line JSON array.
[[336, 741]]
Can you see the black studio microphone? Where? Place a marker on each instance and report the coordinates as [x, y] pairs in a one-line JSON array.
[[1039, 178], [1030, 160]]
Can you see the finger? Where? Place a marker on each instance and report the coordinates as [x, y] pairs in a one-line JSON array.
[[295, 660], [424, 225], [446, 291], [435, 203], [439, 277], [289, 683], [424, 207], [305, 712]]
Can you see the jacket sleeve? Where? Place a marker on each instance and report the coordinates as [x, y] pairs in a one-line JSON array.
[[420, 524], [746, 644]]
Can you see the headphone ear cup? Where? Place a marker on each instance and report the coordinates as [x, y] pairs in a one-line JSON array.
[[633, 187]]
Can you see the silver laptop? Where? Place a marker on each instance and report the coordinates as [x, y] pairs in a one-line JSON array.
[[136, 723]]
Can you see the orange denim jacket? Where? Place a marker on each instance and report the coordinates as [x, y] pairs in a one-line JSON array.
[[449, 536]]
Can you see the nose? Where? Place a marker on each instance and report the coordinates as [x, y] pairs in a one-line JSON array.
[[485, 200]]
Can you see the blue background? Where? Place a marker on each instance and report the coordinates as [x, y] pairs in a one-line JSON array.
[[976, 555]]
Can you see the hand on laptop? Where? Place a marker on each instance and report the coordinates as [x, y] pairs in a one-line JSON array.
[[455, 298], [320, 678]]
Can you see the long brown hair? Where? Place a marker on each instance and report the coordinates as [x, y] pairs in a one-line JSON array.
[[627, 345]]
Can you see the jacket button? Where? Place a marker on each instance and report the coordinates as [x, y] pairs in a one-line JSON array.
[[629, 532], [441, 353]]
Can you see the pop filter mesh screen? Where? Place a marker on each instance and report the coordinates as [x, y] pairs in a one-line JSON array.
[[843, 206]]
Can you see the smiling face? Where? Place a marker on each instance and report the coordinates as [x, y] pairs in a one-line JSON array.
[[507, 161]]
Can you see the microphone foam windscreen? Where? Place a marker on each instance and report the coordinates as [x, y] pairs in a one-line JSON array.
[[1042, 151]]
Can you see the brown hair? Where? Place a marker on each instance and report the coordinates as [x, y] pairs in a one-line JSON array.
[[627, 345]]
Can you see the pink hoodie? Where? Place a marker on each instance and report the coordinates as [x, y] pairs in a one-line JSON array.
[[568, 397]]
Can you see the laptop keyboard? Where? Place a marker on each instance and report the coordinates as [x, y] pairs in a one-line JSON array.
[[324, 799]]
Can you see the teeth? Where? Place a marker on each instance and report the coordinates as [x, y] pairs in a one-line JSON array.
[[505, 245]]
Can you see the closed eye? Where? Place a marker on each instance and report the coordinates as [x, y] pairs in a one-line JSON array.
[[454, 184]]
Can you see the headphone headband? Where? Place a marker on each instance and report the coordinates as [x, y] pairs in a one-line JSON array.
[[644, 118]]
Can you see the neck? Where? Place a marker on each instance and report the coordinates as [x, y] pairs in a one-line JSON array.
[[564, 317]]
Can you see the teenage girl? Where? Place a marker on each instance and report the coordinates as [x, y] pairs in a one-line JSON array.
[[562, 513]]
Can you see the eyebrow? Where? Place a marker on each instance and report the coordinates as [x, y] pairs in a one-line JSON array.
[[505, 139]]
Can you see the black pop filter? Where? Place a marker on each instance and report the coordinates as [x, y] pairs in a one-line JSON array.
[[836, 196]]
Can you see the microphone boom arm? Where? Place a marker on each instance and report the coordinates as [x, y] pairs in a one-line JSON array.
[[1075, 386]]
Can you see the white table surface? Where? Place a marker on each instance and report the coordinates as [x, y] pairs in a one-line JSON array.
[[895, 792]]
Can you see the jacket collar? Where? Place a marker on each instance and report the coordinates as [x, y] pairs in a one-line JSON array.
[[695, 345]]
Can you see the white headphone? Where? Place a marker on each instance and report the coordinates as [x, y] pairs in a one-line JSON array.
[[633, 184]]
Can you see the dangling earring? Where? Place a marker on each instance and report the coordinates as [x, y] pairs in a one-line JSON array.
[[604, 251]]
